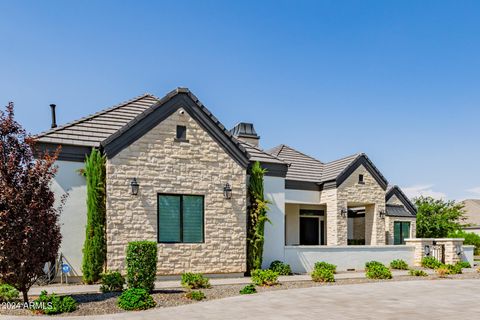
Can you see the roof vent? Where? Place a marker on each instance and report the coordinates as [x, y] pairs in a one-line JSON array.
[[54, 116], [246, 132]]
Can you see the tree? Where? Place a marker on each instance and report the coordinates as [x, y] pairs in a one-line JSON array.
[[257, 216], [29, 229], [438, 218], [94, 246]]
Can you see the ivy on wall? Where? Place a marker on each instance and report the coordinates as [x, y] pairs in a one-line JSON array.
[[257, 216], [94, 248]]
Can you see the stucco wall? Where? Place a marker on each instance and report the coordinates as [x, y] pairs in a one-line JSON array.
[[162, 165], [73, 218], [292, 218]]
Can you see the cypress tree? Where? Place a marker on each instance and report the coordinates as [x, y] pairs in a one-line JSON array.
[[94, 248]]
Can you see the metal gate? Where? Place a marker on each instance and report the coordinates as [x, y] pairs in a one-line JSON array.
[[438, 252]]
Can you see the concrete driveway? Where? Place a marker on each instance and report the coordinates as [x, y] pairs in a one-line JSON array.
[[427, 299]]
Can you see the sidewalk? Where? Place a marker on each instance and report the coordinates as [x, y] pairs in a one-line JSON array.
[[83, 289]]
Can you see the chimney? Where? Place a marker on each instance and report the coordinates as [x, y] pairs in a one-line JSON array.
[[246, 132], [54, 116]]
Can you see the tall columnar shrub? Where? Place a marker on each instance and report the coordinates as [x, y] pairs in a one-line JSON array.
[[141, 264], [29, 229], [94, 248], [257, 216]]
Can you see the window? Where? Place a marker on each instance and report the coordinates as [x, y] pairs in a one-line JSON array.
[[181, 133], [180, 218], [401, 231], [360, 179]]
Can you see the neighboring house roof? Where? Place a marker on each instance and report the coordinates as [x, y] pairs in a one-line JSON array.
[[472, 212], [395, 190], [398, 211], [308, 169], [117, 127]]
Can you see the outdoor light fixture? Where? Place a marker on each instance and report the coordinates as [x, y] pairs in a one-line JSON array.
[[459, 250], [227, 191], [344, 212], [427, 250], [382, 214], [135, 186]]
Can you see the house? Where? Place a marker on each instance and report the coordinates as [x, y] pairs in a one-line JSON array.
[[472, 215], [182, 159]]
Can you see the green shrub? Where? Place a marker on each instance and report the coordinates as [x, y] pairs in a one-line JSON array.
[[264, 277], [8, 293], [325, 265], [431, 263], [371, 264], [112, 282], [454, 268], [53, 304], [195, 295], [141, 264], [442, 271], [323, 275], [399, 264], [378, 271], [248, 289], [135, 299], [195, 281], [417, 273], [464, 264], [470, 239], [281, 268]]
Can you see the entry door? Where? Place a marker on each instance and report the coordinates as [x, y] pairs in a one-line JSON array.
[[309, 228], [401, 231]]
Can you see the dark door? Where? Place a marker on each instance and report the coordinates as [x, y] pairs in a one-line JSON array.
[[309, 231]]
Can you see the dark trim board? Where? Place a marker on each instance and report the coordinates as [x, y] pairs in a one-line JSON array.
[[273, 169], [162, 110], [301, 185], [67, 152]]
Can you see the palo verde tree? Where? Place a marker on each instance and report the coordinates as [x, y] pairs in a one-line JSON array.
[[437, 218], [257, 216], [94, 248], [29, 229]]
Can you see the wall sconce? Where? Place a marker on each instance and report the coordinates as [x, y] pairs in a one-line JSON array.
[[135, 186], [382, 214], [344, 213], [459, 250], [227, 191], [427, 250]]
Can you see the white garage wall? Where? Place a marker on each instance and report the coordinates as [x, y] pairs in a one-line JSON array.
[[73, 218]]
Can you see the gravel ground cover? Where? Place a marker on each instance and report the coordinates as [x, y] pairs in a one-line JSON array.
[[97, 304]]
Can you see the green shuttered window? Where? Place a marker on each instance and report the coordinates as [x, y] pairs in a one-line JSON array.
[[180, 218], [401, 231]]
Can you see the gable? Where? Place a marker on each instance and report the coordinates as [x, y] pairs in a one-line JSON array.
[[180, 98], [396, 196], [362, 160]]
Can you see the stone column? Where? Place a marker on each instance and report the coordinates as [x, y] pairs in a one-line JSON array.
[[419, 245]]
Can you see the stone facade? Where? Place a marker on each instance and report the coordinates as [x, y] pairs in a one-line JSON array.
[[452, 248], [389, 226], [163, 165]]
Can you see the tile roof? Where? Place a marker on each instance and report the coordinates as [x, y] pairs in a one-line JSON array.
[[331, 170], [90, 131], [257, 154], [398, 211], [302, 167]]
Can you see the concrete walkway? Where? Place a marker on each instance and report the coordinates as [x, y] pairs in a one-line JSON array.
[[427, 299], [81, 289]]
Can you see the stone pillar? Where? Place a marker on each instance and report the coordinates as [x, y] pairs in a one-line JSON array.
[[452, 247], [419, 252]]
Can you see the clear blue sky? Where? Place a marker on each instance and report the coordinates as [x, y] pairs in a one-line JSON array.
[[398, 80]]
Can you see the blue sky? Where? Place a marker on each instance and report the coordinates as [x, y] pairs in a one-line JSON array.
[[398, 80]]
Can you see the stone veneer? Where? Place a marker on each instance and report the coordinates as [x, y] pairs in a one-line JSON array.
[[163, 165], [389, 221]]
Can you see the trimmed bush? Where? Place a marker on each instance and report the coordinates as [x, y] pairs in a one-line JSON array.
[[53, 304], [323, 275], [112, 282], [264, 277], [371, 264], [464, 264], [248, 289], [325, 265], [141, 264], [281, 268], [417, 273], [431, 263], [454, 268], [135, 299], [8, 293], [195, 281], [399, 264], [378, 271], [195, 295], [442, 271]]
